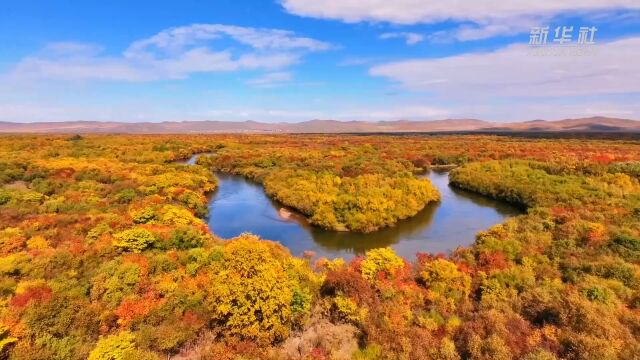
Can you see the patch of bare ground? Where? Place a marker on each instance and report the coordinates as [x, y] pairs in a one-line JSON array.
[[336, 341], [17, 185], [321, 337]]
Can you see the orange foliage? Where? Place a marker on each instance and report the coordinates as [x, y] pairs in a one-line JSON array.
[[136, 307], [37, 295]]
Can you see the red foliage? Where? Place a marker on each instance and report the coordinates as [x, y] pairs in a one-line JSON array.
[[351, 284], [134, 308], [318, 354], [493, 261], [37, 294], [423, 258], [64, 173], [356, 263], [557, 211], [77, 246], [179, 191], [402, 279], [603, 159], [12, 245], [192, 319], [173, 255], [563, 214], [203, 228], [512, 329], [139, 260]]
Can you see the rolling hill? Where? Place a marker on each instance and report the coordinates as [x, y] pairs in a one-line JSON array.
[[594, 124]]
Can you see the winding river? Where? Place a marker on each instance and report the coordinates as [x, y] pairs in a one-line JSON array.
[[240, 205]]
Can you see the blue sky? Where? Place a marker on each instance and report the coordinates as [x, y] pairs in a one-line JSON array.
[[295, 60]]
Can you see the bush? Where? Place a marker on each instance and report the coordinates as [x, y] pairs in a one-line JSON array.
[[115, 280], [125, 196], [252, 297], [135, 240], [492, 348], [371, 352], [186, 238], [599, 294], [5, 340], [174, 215], [445, 281], [347, 310], [380, 261], [4, 197], [97, 231], [144, 216], [627, 241], [119, 347]]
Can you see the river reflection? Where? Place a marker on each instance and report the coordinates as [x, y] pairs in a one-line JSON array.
[[240, 205]]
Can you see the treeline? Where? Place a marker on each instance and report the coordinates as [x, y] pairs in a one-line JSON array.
[[104, 253], [532, 183]]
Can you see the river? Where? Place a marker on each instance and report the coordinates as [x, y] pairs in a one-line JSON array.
[[240, 205]]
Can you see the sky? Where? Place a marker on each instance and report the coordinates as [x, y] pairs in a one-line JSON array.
[[296, 60]]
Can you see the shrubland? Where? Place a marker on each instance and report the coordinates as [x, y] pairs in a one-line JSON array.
[[104, 253]]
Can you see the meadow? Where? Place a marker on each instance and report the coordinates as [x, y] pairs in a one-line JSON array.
[[105, 254]]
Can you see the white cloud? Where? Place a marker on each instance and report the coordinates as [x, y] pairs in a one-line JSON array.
[[477, 19], [516, 71], [270, 80], [76, 66], [176, 39], [409, 37], [424, 11], [171, 54], [488, 29]]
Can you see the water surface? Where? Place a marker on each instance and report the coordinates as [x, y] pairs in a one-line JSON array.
[[240, 205]]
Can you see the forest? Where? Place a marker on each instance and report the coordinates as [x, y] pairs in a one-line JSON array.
[[105, 253]]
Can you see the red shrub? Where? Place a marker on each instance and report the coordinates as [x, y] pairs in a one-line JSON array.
[[37, 294]]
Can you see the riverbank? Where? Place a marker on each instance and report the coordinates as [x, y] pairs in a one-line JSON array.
[[241, 205]]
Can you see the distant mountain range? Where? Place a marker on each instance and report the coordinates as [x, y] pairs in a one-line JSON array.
[[593, 124]]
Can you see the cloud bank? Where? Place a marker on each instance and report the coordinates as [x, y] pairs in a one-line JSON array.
[[477, 19], [174, 53], [517, 70], [421, 11]]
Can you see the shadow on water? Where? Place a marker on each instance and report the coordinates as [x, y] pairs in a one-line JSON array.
[[240, 205]]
